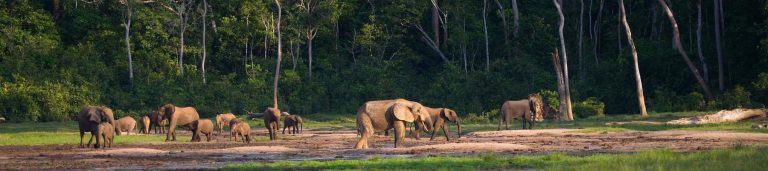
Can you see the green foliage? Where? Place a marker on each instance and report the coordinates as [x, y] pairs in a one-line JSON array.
[[737, 97], [589, 107], [735, 158], [665, 100], [550, 98], [485, 117]]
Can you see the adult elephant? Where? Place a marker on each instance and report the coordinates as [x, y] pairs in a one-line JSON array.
[[438, 118], [178, 116], [522, 109], [127, 124], [157, 122], [272, 121], [89, 119], [381, 115], [223, 120]]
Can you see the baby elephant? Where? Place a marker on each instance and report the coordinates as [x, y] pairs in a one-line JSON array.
[[241, 129], [295, 122], [126, 124], [145, 121], [107, 133], [202, 126]]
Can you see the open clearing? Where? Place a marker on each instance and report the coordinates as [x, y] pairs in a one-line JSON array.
[[332, 145]]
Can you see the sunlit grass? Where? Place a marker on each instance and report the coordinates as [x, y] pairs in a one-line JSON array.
[[736, 158], [44, 133]]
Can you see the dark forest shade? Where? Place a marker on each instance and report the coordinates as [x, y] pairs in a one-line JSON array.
[[56, 56]]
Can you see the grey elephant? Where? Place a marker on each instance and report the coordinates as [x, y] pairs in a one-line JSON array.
[[294, 122], [127, 124], [272, 121], [522, 109], [89, 119], [438, 119], [381, 115], [178, 116], [202, 127], [107, 133], [223, 120], [158, 122]]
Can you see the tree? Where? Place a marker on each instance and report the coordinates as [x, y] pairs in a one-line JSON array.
[[698, 44], [720, 65], [181, 8], [516, 14], [568, 108], [127, 17], [316, 14], [279, 53], [485, 31], [205, 14], [681, 50], [638, 79]]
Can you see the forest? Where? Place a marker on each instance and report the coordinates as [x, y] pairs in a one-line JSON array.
[[472, 55]]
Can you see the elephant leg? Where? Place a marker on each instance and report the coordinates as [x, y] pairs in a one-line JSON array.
[[365, 128], [399, 133], [90, 140], [82, 135], [439, 124], [284, 130], [500, 121]]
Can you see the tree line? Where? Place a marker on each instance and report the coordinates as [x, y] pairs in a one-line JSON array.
[[223, 56]]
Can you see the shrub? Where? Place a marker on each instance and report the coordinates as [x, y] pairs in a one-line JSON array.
[[485, 117], [590, 107], [694, 101], [550, 98], [735, 98]]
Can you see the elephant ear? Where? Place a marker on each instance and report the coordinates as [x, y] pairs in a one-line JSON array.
[[169, 109], [402, 112], [95, 116], [449, 114]]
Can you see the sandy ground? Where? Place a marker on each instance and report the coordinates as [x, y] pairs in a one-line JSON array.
[[331, 145]]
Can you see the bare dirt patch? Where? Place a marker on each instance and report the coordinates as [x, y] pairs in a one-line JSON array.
[[332, 145]]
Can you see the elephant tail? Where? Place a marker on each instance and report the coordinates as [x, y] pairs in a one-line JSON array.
[[364, 125]]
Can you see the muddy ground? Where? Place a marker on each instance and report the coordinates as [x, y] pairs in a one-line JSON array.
[[330, 145]]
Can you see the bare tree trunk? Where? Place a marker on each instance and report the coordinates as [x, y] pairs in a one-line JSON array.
[[279, 54], [485, 31], [698, 44], [679, 47], [464, 43], [431, 43], [565, 62], [516, 14], [720, 67], [618, 33], [205, 13], [505, 26], [560, 84], [596, 46], [581, 34], [309, 53], [128, 13], [182, 29], [638, 79], [436, 22], [590, 21]]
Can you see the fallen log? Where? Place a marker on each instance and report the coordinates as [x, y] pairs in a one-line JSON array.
[[722, 116]]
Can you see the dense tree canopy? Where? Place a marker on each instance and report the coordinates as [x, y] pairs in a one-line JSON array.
[[56, 56]]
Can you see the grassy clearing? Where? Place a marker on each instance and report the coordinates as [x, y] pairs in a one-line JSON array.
[[45, 133], [736, 158]]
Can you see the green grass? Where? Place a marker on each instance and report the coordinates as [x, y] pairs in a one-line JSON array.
[[735, 158], [45, 133]]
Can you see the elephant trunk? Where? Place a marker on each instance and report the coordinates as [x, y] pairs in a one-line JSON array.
[[458, 128]]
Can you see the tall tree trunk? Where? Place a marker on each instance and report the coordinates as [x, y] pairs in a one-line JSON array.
[[596, 46], [679, 47], [560, 84], [581, 35], [504, 24], [485, 31], [309, 53], [205, 13], [464, 43], [279, 54], [565, 62], [590, 21], [436, 22], [181, 44], [720, 66], [698, 44], [638, 79], [516, 14], [128, 13]]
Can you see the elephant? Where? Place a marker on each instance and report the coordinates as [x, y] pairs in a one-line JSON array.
[[178, 116], [157, 121], [89, 119], [145, 123], [381, 115], [107, 133], [272, 121], [127, 124], [241, 129], [295, 122], [522, 109], [223, 120], [202, 127], [438, 117]]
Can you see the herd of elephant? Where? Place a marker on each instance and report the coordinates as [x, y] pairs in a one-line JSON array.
[[100, 122], [372, 117]]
